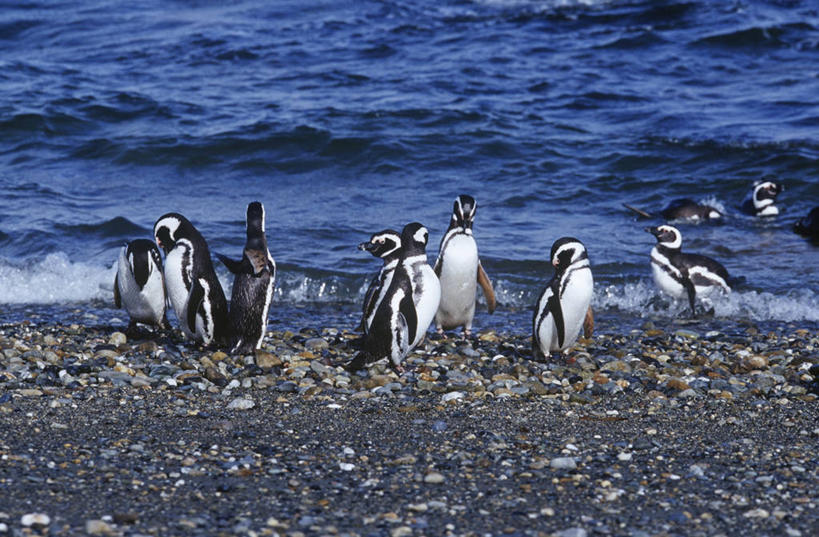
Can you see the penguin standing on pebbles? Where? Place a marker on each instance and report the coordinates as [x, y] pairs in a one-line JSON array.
[[459, 269], [407, 308], [563, 305], [193, 288], [762, 200], [679, 274], [139, 285], [387, 246], [253, 283]]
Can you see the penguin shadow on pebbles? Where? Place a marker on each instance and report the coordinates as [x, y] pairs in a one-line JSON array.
[[253, 285], [139, 286], [193, 289], [459, 270]]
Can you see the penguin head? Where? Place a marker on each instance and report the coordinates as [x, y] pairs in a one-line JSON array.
[[168, 229], [566, 251], [255, 218], [414, 238], [463, 212], [668, 236], [765, 193], [383, 244], [144, 258]]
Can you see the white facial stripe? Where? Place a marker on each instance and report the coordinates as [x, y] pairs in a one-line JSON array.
[[677, 242], [421, 235], [576, 246], [170, 222]]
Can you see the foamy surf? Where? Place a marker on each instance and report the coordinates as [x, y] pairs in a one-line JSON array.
[[56, 280]]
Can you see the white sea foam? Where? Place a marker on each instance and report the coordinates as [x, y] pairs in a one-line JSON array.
[[643, 298], [54, 280]]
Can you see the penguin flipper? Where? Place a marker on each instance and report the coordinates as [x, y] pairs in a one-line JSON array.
[[553, 304], [488, 291], [638, 211], [195, 298], [117, 297], [588, 324], [235, 267], [369, 304], [409, 317], [692, 293]]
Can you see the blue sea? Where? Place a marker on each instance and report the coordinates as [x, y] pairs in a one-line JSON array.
[[345, 118]]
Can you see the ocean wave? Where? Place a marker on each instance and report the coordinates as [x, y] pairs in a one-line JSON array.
[[56, 279], [775, 36]]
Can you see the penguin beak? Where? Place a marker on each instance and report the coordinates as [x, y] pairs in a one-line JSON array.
[[368, 246], [652, 230]]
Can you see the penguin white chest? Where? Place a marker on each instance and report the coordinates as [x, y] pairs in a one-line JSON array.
[[575, 301], [664, 275], [458, 278], [146, 305], [178, 278], [426, 294]]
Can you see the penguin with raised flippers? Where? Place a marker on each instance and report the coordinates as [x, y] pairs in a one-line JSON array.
[[253, 284]]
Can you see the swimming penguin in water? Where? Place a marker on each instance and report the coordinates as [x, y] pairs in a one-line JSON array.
[[385, 245], [679, 274], [683, 209], [407, 308], [459, 270], [563, 306], [139, 285], [253, 284], [193, 288], [809, 225], [762, 199]]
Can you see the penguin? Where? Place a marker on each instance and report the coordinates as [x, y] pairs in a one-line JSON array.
[[407, 307], [683, 209], [761, 201], [564, 305], [190, 281], [679, 274], [139, 285], [253, 283], [459, 270], [809, 225], [386, 245], [426, 288]]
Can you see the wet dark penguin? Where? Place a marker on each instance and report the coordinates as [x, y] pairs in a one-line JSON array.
[[809, 225], [762, 199], [680, 274], [563, 306], [407, 308], [139, 285], [190, 281], [385, 245], [459, 270], [253, 283], [683, 209]]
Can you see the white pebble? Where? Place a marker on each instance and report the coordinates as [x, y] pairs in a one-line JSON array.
[[563, 463], [346, 466], [241, 403], [451, 396], [39, 519]]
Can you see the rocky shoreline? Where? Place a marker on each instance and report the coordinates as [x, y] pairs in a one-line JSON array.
[[660, 431]]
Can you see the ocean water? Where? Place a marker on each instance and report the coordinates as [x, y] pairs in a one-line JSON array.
[[345, 118]]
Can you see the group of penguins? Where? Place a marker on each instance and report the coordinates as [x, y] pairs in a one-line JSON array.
[[407, 294]]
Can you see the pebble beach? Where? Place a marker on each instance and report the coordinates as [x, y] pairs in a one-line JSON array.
[[670, 429]]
